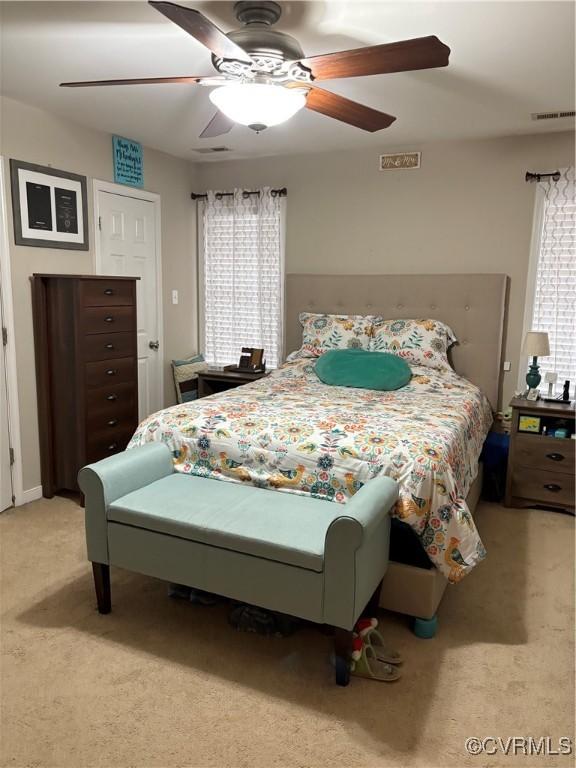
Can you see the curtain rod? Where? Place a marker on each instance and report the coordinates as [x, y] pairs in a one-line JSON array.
[[245, 193], [539, 176]]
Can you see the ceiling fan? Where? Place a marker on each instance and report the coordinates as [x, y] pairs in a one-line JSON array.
[[264, 77]]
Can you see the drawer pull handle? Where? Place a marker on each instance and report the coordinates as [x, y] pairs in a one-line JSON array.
[[553, 487], [112, 446], [109, 292], [109, 319], [108, 346], [112, 397], [112, 422], [555, 456], [111, 372]]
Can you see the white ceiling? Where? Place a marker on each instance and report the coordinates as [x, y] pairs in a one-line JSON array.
[[508, 59]]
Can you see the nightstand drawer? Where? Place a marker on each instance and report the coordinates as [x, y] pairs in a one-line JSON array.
[[542, 486], [545, 453]]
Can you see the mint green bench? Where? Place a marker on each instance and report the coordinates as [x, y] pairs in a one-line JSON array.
[[302, 556]]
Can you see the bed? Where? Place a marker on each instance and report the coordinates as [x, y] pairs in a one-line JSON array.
[[292, 433]]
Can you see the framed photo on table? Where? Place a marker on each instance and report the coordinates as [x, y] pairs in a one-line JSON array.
[[49, 206]]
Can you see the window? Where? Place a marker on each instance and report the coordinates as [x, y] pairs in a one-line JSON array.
[[242, 240], [552, 289]]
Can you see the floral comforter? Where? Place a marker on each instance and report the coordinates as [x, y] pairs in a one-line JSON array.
[[295, 434]]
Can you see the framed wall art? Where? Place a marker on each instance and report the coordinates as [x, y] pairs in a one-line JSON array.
[[128, 162], [50, 207]]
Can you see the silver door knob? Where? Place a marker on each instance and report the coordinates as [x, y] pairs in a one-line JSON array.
[[154, 344]]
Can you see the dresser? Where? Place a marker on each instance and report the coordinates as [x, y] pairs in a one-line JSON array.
[[86, 372], [540, 465]]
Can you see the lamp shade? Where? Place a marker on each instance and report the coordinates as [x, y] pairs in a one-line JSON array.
[[536, 344]]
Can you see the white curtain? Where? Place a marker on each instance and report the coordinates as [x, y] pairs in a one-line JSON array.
[[243, 275], [554, 309]]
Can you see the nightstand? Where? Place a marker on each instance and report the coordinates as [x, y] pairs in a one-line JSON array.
[[540, 467], [212, 381]]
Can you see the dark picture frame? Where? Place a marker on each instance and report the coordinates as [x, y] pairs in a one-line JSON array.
[[53, 215]]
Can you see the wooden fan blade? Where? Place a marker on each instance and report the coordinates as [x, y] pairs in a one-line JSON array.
[[219, 125], [406, 55], [340, 108], [203, 30], [189, 80]]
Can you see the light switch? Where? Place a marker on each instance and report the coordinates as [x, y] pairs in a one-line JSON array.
[[174, 297], [507, 365]]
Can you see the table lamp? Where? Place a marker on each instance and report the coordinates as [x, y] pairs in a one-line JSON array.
[[535, 345]]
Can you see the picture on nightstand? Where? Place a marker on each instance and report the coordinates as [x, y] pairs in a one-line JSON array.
[[529, 424]]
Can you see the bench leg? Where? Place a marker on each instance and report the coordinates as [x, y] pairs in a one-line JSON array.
[[102, 586], [342, 652], [373, 605]]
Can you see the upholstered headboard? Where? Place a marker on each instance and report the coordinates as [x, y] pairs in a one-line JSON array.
[[474, 306]]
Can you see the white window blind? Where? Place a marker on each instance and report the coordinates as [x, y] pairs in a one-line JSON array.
[[243, 275], [554, 309]]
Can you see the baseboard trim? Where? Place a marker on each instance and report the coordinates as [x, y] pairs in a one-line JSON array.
[[30, 495]]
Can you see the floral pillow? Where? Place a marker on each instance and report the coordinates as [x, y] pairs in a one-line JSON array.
[[321, 332], [419, 342]]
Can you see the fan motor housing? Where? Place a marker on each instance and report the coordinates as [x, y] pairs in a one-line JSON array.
[[261, 41], [257, 11], [268, 47]]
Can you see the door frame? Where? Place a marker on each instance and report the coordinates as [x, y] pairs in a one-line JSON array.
[[98, 185], [10, 349]]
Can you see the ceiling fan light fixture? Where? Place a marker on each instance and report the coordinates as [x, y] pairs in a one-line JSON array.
[[259, 104]]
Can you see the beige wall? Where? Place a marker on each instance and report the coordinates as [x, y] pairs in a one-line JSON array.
[[33, 135], [467, 209]]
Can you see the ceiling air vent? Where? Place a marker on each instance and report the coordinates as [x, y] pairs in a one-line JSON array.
[[210, 150], [552, 115]]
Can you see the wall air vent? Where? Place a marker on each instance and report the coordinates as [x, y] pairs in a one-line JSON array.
[[211, 150], [552, 115]]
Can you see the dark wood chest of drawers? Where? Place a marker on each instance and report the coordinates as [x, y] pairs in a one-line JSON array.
[[86, 372], [541, 466]]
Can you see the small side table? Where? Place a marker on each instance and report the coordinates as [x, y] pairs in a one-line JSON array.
[[212, 381], [541, 467]]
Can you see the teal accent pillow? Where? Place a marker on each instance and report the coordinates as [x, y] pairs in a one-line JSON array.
[[363, 369]]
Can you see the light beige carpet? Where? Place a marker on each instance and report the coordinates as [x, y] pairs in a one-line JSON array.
[[160, 682]]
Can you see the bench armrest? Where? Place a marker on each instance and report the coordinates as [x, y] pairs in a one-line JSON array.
[[107, 480], [372, 502], [356, 551]]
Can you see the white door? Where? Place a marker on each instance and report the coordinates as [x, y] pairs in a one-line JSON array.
[[128, 247], [6, 492]]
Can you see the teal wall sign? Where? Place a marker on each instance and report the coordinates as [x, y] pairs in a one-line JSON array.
[[128, 162]]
